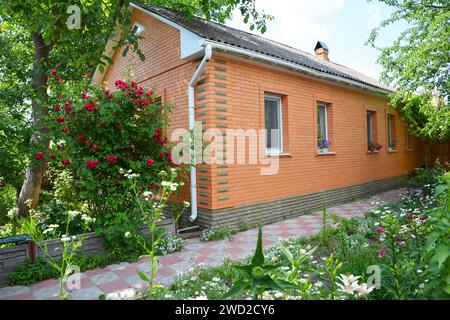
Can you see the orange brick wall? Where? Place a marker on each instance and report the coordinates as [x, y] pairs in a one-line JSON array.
[[231, 95], [304, 171]]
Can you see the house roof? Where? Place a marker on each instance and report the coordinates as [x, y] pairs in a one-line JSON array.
[[230, 36]]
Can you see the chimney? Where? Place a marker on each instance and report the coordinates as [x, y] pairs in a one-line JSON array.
[[321, 50]]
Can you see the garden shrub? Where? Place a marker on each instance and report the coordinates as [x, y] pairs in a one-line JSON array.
[[169, 244], [99, 136], [7, 201], [218, 233], [427, 178]]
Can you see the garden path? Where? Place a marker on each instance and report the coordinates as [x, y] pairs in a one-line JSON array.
[[121, 280]]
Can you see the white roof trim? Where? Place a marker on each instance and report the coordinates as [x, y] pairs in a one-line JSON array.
[[190, 42]]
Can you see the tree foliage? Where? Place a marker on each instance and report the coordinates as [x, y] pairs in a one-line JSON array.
[[418, 65], [35, 38]]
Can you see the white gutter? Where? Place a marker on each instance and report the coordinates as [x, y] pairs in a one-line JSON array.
[[286, 64], [191, 93]]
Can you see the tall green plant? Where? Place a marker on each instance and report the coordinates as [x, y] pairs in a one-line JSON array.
[[70, 245], [257, 276], [151, 207], [438, 244]]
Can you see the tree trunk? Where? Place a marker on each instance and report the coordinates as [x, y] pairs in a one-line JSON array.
[[31, 188]]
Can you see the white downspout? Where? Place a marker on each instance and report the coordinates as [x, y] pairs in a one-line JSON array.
[[193, 171]]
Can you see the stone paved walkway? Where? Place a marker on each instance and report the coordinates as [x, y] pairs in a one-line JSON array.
[[121, 279]]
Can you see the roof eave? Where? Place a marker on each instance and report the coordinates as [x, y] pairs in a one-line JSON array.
[[293, 66]]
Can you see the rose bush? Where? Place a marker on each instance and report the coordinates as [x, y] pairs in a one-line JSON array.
[[100, 135]]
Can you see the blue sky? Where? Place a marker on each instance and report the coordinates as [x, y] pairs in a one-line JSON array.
[[344, 25]]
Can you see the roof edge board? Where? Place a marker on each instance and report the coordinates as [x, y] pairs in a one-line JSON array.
[[297, 67]]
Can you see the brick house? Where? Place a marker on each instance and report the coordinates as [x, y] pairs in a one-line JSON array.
[[230, 79]]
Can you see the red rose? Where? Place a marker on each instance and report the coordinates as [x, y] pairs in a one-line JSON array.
[[84, 95], [89, 106], [60, 119], [56, 108], [39, 155], [139, 92], [423, 218], [53, 157], [149, 94], [92, 164], [158, 132], [111, 159], [120, 84], [101, 124], [94, 147], [54, 72], [161, 155], [88, 143], [80, 139], [410, 217], [144, 103], [150, 162], [134, 84], [67, 162], [64, 130], [59, 79], [68, 106]]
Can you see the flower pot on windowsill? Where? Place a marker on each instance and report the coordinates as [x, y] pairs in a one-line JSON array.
[[391, 149]]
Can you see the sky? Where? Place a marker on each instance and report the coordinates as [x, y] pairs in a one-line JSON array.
[[344, 25]]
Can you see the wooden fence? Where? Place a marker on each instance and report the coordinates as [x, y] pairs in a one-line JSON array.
[[12, 257], [439, 151]]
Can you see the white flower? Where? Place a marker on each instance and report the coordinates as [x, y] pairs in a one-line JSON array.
[[73, 213], [64, 239], [13, 213], [86, 218], [349, 283], [364, 290], [127, 234], [186, 204]]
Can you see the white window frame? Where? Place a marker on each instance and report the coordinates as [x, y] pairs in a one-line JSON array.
[[139, 26], [389, 133], [276, 98], [369, 127], [325, 105]]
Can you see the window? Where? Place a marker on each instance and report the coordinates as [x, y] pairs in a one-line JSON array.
[[273, 124], [372, 142], [323, 134], [137, 28], [391, 132]]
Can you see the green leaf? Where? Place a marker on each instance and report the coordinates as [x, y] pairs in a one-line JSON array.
[[258, 257], [143, 276], [442, 253], [270, 283], [441, 189], [238, 287]]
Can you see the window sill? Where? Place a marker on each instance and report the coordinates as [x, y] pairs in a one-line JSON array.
[[373, 152], [329, 153], [279, 155], [392, 151]]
